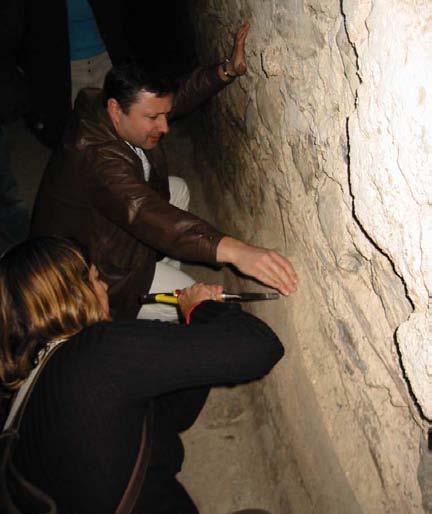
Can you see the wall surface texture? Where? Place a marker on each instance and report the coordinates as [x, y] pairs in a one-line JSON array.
[[323, 152]]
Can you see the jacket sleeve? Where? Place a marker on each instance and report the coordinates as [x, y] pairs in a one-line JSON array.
[[150, 358], [195, 89], [129, 202]]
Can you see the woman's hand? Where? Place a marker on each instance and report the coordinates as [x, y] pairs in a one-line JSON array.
[[190, 297]]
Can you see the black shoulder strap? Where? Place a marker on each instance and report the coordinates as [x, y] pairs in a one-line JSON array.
[[13, 486], [136, 480]]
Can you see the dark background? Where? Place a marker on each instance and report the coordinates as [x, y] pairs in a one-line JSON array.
[[161, 35]]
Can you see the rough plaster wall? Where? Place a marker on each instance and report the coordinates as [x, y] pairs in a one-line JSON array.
[[322, 152]]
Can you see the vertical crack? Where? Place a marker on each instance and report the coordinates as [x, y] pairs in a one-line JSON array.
[[417, 407], [348, 158], [354, 48]]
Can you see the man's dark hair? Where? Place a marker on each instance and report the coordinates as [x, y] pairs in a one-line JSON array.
[[125, 81]]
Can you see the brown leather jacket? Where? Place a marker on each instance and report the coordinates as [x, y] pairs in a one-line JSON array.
[[93, 191]]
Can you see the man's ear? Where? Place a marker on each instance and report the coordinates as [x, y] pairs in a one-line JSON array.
[[114, 110]]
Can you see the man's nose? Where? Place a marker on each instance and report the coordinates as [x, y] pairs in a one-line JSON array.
[[163, 124]]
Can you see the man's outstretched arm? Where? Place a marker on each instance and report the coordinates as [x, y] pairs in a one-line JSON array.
[[205, 82], [267, 266]]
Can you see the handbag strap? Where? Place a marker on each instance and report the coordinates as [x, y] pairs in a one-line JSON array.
[[136, 480], [21, 398], [130, 496]]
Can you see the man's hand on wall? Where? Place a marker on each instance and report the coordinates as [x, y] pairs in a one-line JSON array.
[[236, 64], [267, 266]]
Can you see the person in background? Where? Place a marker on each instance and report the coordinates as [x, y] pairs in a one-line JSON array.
[[89, 59], [82, 426], [42, 67], [14, 218], [67, 45]]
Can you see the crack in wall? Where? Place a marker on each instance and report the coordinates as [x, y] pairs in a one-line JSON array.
[[417, 406], [392, 264], [354, 48], [363, 230], [408, 383]]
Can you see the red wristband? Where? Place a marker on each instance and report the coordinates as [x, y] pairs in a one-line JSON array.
[[189, 314]]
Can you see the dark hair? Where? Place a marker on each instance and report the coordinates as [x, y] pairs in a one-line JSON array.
[[125, 81], [45, 295]]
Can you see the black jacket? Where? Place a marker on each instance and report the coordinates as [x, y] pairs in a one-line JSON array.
[[81, 429]]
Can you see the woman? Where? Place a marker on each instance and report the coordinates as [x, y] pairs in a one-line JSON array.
[[82, 426]]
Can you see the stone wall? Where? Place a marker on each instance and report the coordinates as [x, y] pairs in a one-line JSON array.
[[323, 152]]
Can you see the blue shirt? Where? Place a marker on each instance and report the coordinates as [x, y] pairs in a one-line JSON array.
[[84, 38]]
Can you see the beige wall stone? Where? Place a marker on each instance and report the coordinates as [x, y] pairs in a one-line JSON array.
[[323, 152]]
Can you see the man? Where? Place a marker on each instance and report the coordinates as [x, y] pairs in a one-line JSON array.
[[107, 186]]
